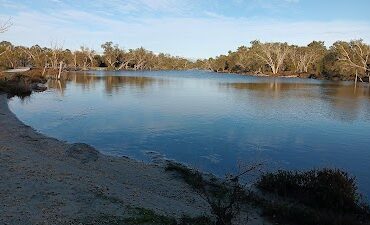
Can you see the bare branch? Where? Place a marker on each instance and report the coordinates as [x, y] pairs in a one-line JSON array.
[[6, 25]]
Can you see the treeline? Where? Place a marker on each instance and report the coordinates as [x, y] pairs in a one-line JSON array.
[[342, 61], [113, 58]]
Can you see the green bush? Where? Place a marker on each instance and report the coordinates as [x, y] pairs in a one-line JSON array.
[[18, 84], [322, 189], [192, 177]]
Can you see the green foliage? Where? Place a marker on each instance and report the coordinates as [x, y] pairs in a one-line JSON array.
[[224, 198], [146, 216], [327, 188], [191, 177], [340, 62], [18, 84], [313, 60], [326, 196], [202, 220], [113, 58], [291, 212]]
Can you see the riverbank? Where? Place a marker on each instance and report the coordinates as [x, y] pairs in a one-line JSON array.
[[47, 181]]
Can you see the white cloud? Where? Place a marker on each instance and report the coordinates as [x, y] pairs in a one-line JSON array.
[[184, 36], [143, 6]]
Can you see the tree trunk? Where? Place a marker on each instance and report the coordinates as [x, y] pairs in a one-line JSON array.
[[75, 61], [274, 70], [60, 70], [43, 72]]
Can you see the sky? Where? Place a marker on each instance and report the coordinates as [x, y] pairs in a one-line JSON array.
[[188, 28]]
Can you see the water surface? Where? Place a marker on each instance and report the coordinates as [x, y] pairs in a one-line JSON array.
[[214, 122]]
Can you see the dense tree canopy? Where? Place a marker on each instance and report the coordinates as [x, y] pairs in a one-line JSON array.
[[341, 61], [113, 58]]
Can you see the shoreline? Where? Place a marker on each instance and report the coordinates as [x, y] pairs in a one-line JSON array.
[[47, 180], [48, 185]]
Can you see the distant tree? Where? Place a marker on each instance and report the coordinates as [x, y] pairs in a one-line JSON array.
[[83, 58], [303, 58], [220, 64], [5, 46], [113, 55], [242, 58], [89, 55], [37, 56], [341, 61], [273, 54], [354, 54], [141, 57]]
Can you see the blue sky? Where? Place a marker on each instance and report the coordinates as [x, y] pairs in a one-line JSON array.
[[189, 28]]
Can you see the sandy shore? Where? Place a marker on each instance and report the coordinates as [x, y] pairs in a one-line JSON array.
[[47, 181]]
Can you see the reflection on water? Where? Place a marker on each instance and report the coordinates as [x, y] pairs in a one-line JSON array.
[[208, 120], [112, 83], [344, 98]]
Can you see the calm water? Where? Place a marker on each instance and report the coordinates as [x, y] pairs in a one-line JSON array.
[[210, 121]]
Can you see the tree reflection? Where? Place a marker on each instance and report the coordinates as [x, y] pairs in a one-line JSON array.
[[345, 100], [111, 83]]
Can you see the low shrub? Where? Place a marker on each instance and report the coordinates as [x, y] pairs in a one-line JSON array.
[[331, 189], [223, 197], [18, 84], [146, 216], [326, 196], [202, 220], [192, 177]]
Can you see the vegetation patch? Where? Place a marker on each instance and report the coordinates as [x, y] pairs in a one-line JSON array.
[[18, 84], [192, 177], [141, 216], [101, 219], [223, 197], [146, 216], [326, 196]]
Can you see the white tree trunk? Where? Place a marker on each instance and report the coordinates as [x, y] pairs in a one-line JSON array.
[[44, 70], [60, 70]]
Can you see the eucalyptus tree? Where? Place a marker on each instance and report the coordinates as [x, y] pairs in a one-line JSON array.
[[37, 55], [113, 55], [273, 54], [242, 58], [83, 58], [354, 54], [5, 46], [304, 58], [141, 57], [13, 56], [89, 54]]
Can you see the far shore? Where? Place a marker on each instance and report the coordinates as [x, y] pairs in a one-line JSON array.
[[279, 75], [47, 181]]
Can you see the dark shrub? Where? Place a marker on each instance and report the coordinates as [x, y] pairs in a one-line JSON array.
[[224, 198], [322, 189], [203, 220], [191, 177], [18, 84]]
